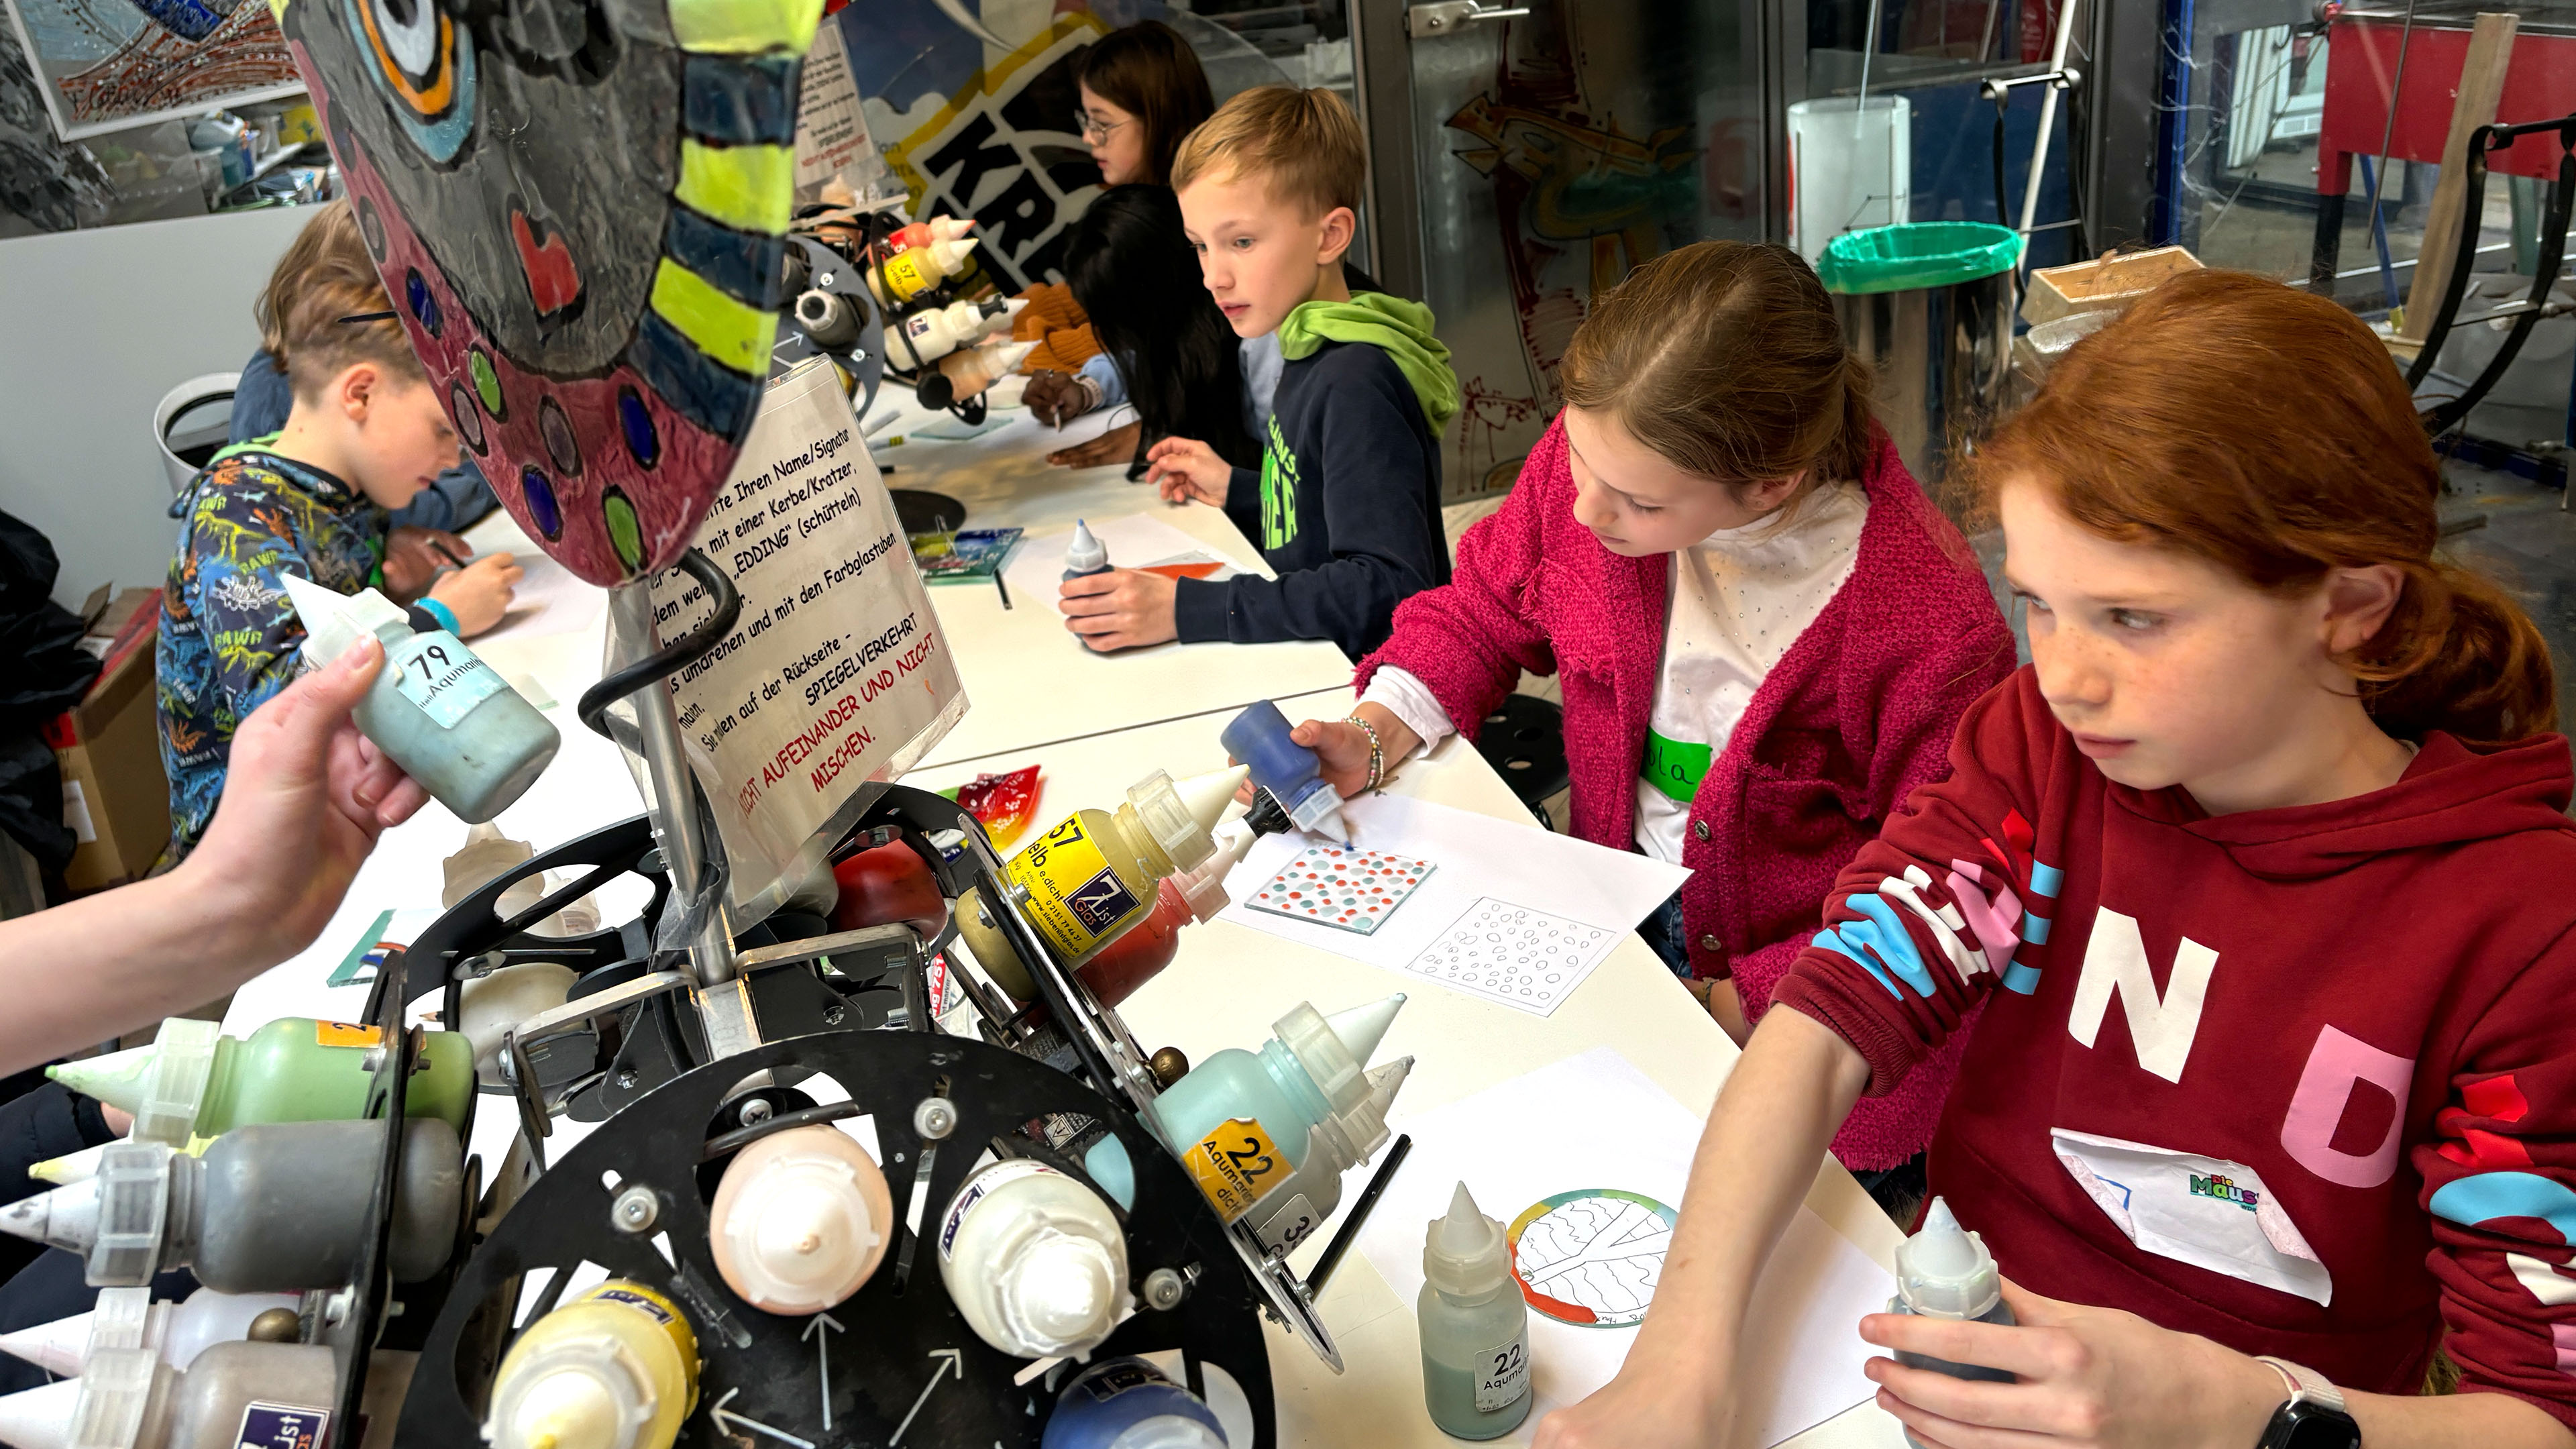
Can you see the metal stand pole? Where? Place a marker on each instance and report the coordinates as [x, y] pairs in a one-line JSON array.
[[2047, 123], [674, 808]]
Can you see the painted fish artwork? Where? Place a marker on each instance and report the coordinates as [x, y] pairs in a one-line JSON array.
[[579, 208]]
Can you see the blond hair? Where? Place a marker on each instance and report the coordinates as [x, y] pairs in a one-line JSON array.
[[1305, 146], [326, 275]]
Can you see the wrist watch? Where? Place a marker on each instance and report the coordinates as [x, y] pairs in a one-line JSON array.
[[2314, 1417]]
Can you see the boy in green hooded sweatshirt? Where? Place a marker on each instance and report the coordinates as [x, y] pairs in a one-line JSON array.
[[1346, 503]]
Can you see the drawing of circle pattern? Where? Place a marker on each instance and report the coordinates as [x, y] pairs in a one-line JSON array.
[[1513, 951]]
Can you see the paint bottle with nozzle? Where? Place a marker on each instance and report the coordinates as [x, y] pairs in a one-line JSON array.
[[1475, 1326], [1034, 1260], [1095, 874], [193, 1081], [449, 719], [1944, 1271], [1267, 1135], [1086, 555], [1128, 1403], [1292, 773], [614, 1367], [800, 1220], [178, 1332], [906, 274], [234, 1394]]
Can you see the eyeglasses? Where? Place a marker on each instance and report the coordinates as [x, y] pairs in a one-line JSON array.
[[1092, 127]]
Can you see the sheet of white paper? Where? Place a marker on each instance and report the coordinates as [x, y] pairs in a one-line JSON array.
[[1476, 857], [1133, 540], [1605, 1124], [549, 599]]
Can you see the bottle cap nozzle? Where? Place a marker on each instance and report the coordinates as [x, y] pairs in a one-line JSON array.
[[334, 621], [1182, 817], [1086, 551], [1203, 887], [162, 1084], [1361, 1028], [1463, 1253], [1060, 1293], [1944, 1272]]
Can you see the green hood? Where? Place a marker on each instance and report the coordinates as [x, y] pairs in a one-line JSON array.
[[1401, 328]]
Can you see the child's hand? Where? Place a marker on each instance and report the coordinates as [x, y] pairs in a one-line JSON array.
[[1342, 747], [412, 560], [1118, 445], [1056, 398], [479, 593], [1121, 609], [1188, 470]]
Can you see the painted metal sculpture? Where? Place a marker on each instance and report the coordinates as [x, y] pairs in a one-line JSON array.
[[579, 208]]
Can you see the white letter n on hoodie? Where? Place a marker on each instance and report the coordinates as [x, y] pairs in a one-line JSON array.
[[2162, 1027]]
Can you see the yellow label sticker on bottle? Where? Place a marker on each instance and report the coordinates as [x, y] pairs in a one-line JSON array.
[[1235, 1165], [345, 1034], [1075, 898], [904, 277]]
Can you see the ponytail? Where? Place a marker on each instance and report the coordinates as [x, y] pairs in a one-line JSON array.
[[2459, 655], [2262, 428], [1726, 358]]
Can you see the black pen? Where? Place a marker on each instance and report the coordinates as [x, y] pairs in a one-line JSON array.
[[1003, 588], [447, 553]]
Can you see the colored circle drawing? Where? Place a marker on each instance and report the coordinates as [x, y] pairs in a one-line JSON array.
[[1591, 1257]]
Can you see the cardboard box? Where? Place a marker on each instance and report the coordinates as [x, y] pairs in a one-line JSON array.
[[115, 797], [2109, 283]]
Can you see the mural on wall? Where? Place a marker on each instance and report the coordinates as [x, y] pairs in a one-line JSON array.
[[1579, 199], [596, 311], [105, 64]]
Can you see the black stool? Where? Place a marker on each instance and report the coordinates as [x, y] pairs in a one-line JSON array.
[[1524, 741]]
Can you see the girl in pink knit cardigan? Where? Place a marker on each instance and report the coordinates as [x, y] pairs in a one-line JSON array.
[[1764, 632]]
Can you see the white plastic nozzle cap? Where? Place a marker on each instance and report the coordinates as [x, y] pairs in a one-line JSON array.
[[1182, 818], [1168, 1431], [1361, 1028], [334, 621], [71, 1167], [1203, 887], [1463, 1254], [1086, 551], [1319, 812], [572, 1394], [1059, 1293], [801, 1235], [950, 255], [1944, 1272], [66, 1217], [40, 1418]]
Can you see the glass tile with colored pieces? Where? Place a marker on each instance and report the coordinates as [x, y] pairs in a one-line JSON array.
[[1349, 890]]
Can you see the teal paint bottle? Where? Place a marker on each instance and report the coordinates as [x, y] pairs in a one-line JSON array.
[[436, 708]]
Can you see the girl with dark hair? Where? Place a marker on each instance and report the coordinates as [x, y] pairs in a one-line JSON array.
[[1142, 92], [1131, 267]]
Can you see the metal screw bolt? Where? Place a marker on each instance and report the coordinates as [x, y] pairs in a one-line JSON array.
[[755, 1112], [1164, 1290], [832, 1015], [934, 1119], [626, 1076], [635, 1210]]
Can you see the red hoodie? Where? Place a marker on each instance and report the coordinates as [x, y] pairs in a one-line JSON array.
[[2358, 1012]]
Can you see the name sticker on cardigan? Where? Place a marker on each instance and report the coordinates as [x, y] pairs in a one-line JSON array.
[[2205, 1211], [1674, 766]]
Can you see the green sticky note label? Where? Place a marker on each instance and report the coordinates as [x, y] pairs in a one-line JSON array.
[[1674, 767]]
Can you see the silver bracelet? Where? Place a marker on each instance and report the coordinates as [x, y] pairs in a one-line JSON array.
[[1377, 754]]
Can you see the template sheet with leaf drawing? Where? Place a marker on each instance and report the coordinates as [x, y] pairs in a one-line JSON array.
[[1134, 541], [1507, 912], [1588, 1236]]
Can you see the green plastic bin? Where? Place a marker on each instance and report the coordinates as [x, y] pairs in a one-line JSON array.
[[1917, 254], [1930, 305]]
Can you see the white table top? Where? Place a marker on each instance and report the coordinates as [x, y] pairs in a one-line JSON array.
[[1031, 682], [1230, 982]]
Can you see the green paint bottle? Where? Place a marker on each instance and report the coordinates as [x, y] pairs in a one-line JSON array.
[[195, 1082]]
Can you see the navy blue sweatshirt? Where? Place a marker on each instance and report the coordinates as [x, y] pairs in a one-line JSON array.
[[1345, 506]]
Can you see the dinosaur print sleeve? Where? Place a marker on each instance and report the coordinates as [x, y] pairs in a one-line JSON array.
[[250, 629], [1950, 902]]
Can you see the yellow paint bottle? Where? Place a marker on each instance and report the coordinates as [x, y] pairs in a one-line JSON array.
[[1094, 875], [615, 1367]]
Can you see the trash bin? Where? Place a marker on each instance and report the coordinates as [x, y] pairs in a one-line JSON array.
[[1930, 305]]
